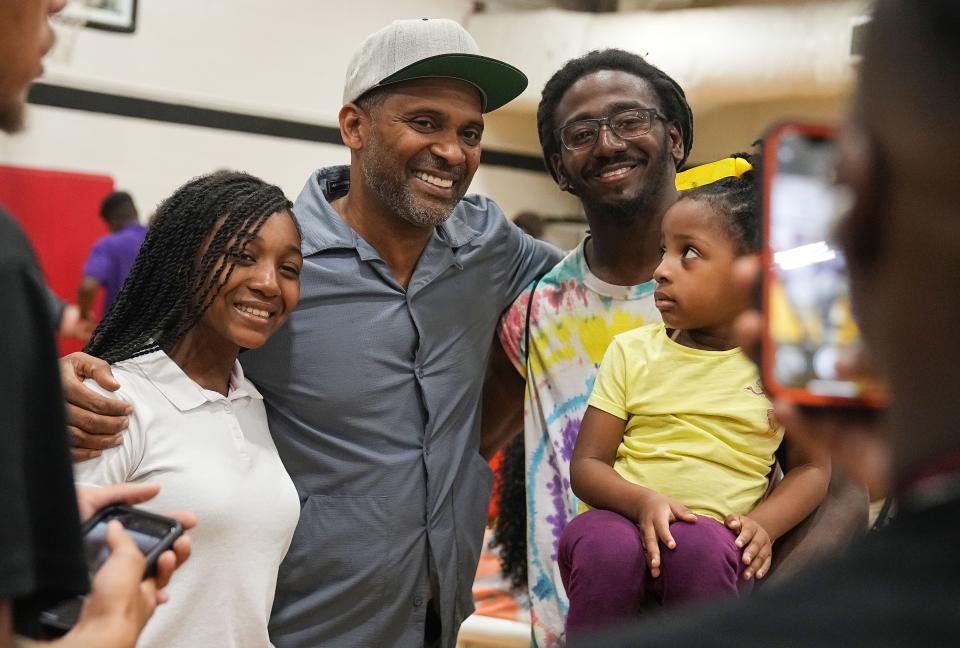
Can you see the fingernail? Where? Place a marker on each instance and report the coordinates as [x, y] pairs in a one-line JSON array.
[[126, 422], [740, 543], [748, 575]]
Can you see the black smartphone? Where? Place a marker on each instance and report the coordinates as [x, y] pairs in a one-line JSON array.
[[152, 533], [809, 326]]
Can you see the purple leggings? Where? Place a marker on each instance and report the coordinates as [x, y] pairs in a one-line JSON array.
[[604, 569]]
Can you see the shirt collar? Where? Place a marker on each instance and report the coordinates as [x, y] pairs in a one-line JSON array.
[[181, 390], [324, 229]]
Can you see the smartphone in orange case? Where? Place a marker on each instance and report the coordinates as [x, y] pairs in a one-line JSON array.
[[809, 324]]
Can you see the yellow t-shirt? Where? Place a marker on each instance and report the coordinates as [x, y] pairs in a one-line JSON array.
[[699, 427]]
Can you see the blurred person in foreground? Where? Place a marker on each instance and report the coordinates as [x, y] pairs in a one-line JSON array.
[[41, 554], [112, 255], [900, 586]]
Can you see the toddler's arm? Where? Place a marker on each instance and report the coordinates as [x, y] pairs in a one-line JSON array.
[[803, 488], [594, 481]]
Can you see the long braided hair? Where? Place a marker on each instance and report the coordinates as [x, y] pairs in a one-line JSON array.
[[171, 284], [511, 531]]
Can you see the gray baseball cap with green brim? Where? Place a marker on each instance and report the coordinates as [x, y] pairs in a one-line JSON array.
[[423, 48]]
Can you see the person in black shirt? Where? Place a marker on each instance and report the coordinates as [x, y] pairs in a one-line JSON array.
[[41, 555]]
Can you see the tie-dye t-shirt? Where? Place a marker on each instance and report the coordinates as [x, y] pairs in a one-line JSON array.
[[573, 319]]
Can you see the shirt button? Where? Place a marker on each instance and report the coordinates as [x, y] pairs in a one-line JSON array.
[[227, 408], [417, 601], [419, 372]]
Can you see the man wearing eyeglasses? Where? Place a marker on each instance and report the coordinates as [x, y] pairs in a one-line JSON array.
[[614, 129]]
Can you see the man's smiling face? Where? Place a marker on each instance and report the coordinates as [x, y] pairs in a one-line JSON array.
[[616, 174], [423, 147]]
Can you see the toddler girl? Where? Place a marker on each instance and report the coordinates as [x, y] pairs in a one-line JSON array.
[[677, 444]]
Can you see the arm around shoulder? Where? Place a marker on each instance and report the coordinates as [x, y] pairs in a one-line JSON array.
[[94, 421], [521, 257], [117, 464]]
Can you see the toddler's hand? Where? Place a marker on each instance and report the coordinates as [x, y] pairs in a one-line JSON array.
[[656, 512], [755, 543]]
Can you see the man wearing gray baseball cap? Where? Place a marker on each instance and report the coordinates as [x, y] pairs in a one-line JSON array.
[[373, 386], [414, 49]]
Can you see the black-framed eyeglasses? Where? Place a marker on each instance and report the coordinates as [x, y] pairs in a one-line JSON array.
[[627, 124]]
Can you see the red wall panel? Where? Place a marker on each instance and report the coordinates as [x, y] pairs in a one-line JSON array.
[[60, 212]]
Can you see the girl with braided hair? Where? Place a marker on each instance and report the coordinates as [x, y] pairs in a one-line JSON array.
[[678, 439], [218, 273]]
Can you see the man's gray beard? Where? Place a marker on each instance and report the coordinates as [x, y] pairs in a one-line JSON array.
[[12, 115], [395, 193]]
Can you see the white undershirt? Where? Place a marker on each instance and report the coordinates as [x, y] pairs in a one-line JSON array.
[[213, 456]]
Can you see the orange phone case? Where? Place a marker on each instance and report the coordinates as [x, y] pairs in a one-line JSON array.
[[873, 399]]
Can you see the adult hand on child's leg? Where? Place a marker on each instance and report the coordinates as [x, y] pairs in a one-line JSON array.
[[755, 543]]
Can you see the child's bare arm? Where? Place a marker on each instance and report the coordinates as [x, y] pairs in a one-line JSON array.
[[594, 481], [803, 488], [592, 476]]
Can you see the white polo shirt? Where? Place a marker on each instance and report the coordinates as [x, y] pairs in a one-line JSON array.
[[212, 455]]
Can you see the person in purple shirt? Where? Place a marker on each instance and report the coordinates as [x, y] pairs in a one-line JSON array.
[[112, 256]]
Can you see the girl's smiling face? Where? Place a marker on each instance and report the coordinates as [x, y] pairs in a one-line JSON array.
[[263, 288], [695, 289]]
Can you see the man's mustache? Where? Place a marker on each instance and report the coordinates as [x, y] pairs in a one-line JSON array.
[[431, 162], [620, 158]]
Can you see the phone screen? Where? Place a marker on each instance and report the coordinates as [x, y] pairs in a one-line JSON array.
[[97, 550], [151, 533], [811, 326]]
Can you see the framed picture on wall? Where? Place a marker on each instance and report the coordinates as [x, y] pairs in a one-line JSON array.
[[108, 15]]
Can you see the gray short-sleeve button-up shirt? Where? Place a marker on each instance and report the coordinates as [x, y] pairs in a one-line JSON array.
[[373, 395]]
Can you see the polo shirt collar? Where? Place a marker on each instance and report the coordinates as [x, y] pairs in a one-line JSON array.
[[324, 229], [182, 392]]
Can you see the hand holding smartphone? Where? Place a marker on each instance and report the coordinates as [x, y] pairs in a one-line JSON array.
[[809, 327], [153, 534]]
